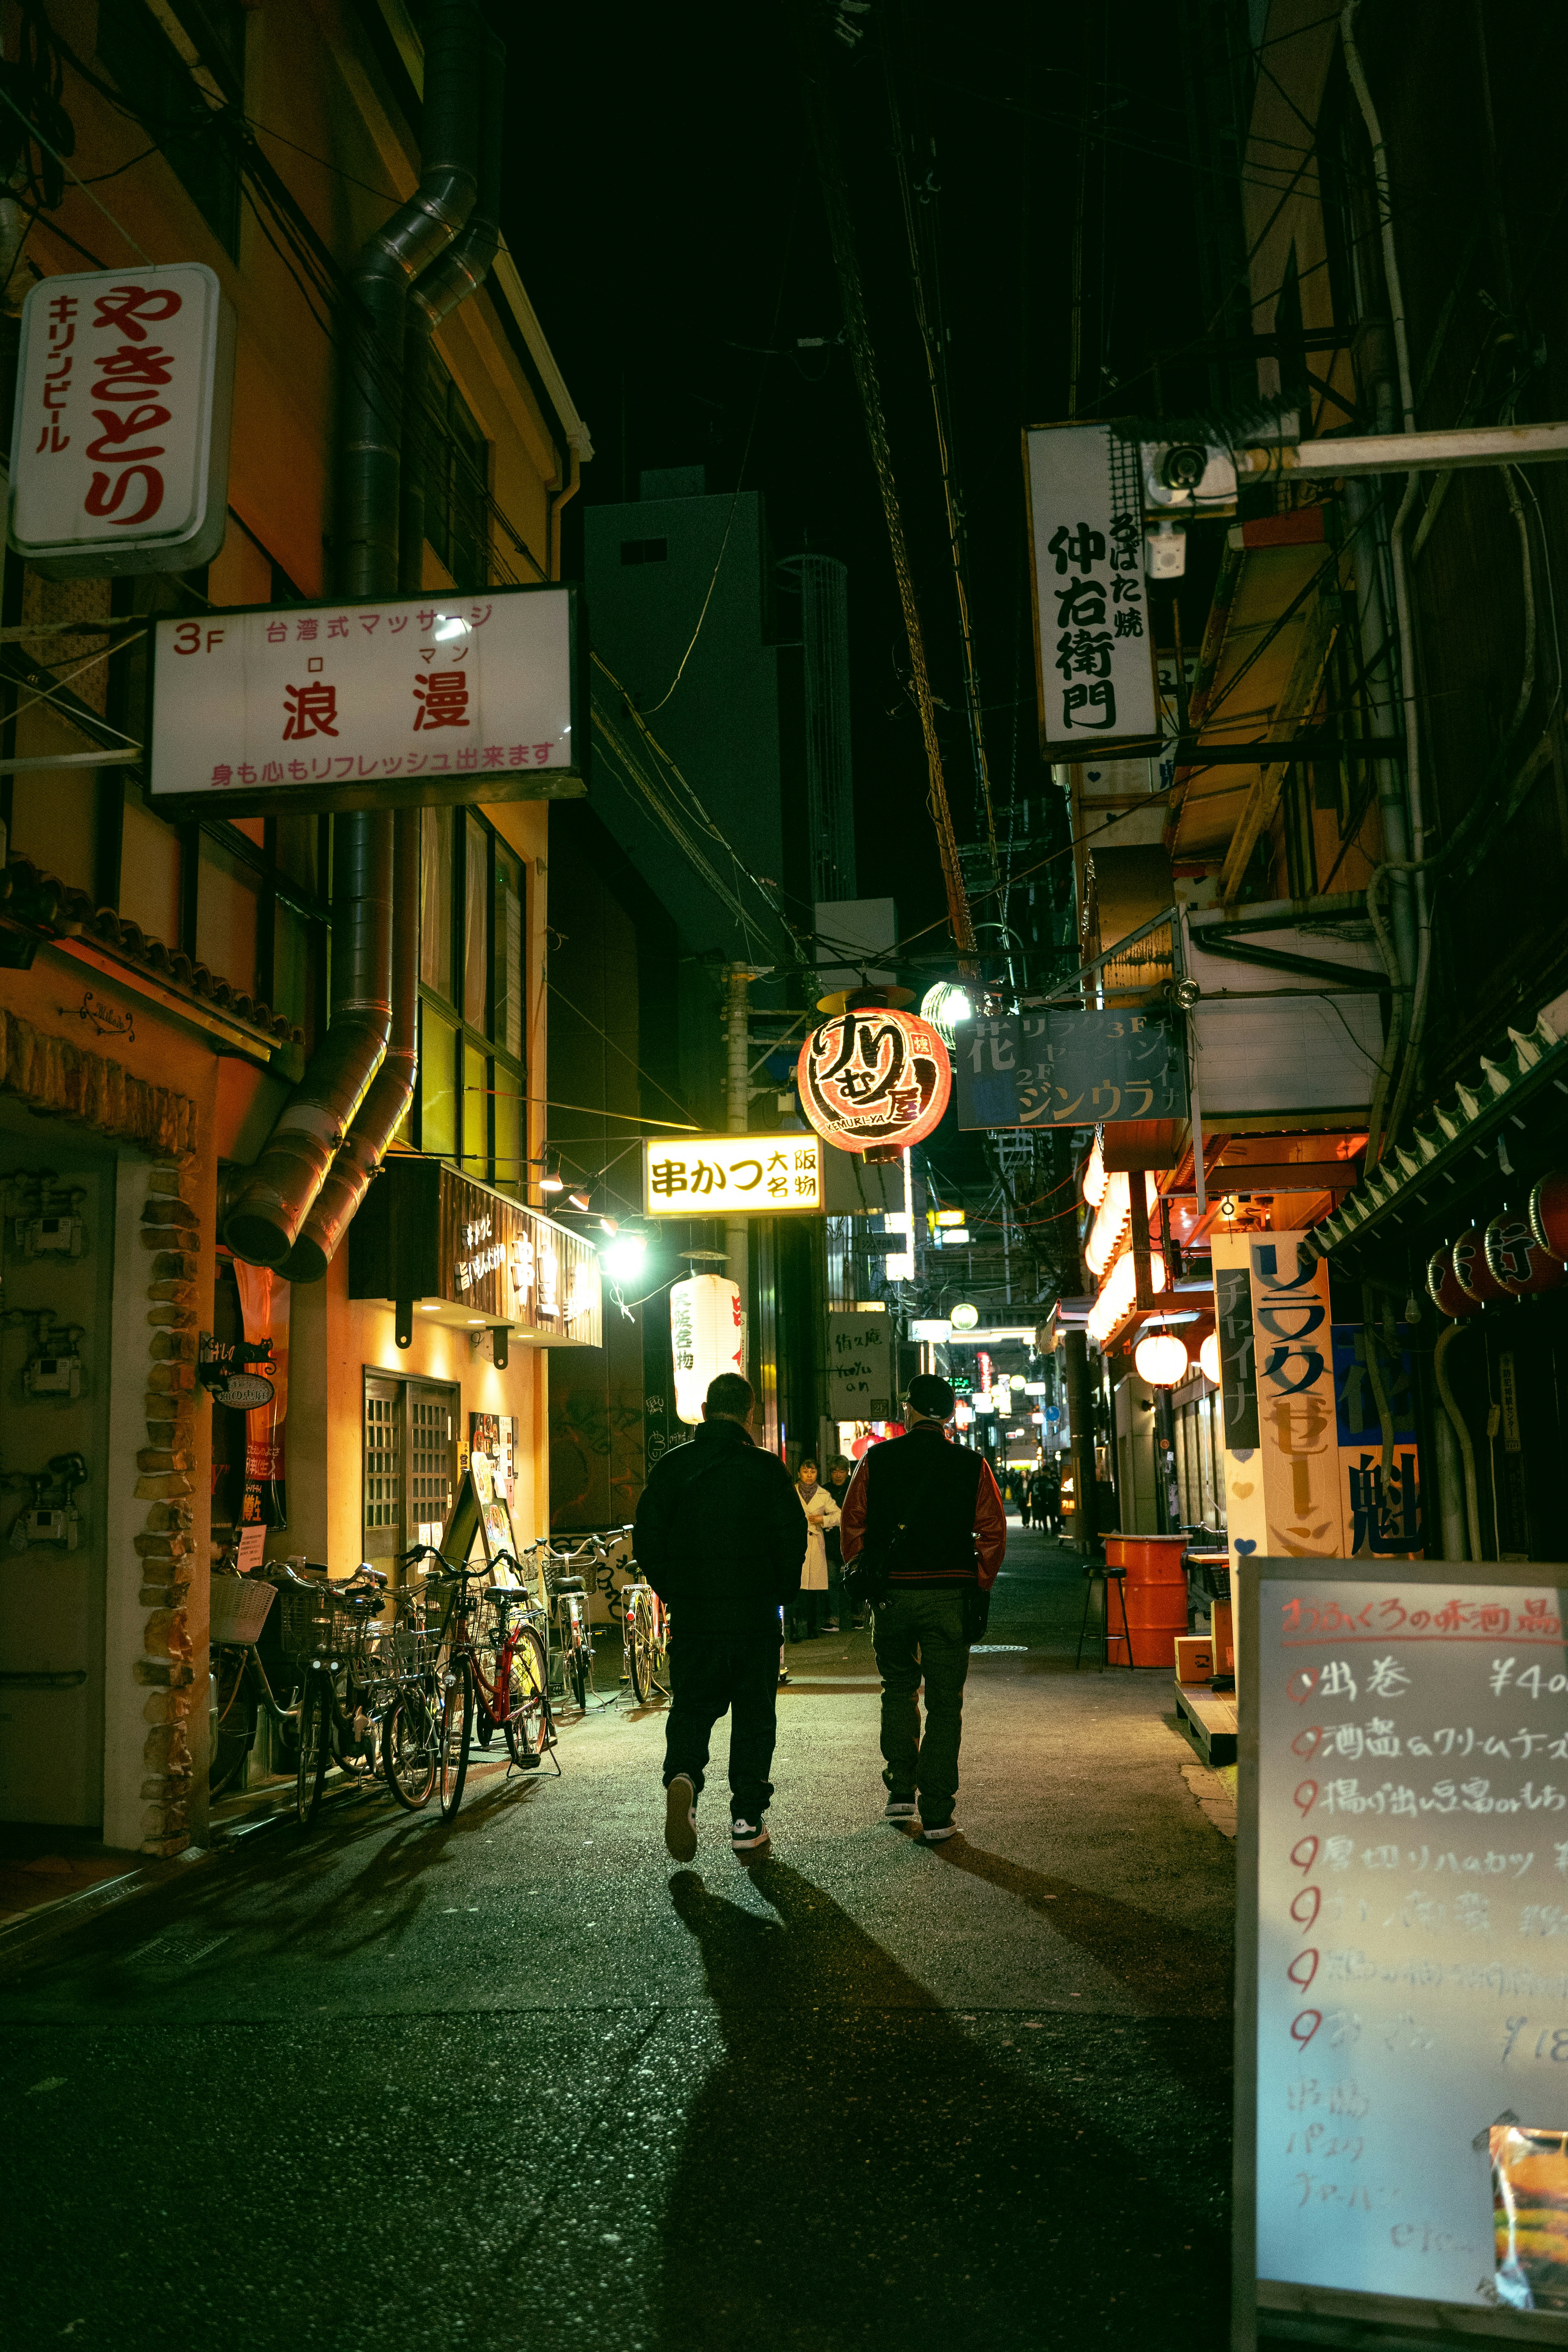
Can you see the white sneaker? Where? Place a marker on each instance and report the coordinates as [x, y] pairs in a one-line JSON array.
[[935, 1832], [681, 1818], [750, 1840], [900, 1809]]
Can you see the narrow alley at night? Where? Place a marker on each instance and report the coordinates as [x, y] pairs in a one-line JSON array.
[[515, 2078], [783, 1175]]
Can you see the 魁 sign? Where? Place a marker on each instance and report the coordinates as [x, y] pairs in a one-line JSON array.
[[120, 437], [1094, 648], [427, 699], [731, 1175]]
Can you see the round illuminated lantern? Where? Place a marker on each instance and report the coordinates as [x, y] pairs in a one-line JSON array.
[[1516, 1259], [964, 1317], [1476, 1277], [1443, 1287], [873, 1078], [1549, 1212], [1208, 1358], [707, 1336], [1162, 1360]]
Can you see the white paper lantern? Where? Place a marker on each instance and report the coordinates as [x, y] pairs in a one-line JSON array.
[[706, 1338], [1160, 1360], [1208, 1358]]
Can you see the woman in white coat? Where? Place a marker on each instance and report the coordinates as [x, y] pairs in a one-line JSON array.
[[821, 1513]]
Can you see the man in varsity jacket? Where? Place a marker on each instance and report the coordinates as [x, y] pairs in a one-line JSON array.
[[924, 1520]]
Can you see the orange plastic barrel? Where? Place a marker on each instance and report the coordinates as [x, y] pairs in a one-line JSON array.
[[1148, 1559], [1155, 1591]]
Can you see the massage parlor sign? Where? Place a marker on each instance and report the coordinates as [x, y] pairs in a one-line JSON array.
[[1402, 2085], [120, 435]]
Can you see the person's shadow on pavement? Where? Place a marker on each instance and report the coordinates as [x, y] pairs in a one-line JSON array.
[[857, 2164]]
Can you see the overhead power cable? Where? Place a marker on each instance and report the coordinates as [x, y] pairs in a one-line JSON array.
[[936, 382], [836, 204]]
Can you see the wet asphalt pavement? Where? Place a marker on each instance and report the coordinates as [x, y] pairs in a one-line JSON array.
[[523, 2081]]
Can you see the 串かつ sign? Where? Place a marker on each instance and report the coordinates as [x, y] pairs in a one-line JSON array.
[[120, 436], [731, 1175], [1094, 648], [410, 700], [1401, 2100]]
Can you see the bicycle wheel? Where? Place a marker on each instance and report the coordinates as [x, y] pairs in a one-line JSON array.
[[410, 1745], [315, 1744], [452, 1744], [231, 1721], [528, 1723], [641, 1655]]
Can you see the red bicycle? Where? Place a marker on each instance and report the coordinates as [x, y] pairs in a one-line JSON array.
[[490, 1664]]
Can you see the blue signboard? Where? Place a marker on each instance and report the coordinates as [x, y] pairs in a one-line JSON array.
[[1069, 1068]]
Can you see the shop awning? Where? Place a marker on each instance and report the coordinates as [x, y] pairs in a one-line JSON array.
[[1509, 1121]]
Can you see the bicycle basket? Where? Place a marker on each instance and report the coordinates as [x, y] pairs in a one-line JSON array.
[[239, 1608]]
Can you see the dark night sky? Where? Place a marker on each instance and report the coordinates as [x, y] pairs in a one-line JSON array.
[[666, 215]]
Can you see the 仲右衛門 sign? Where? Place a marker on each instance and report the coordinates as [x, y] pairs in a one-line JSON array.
[[1069, 1068], [120, 435], [403, 700], [1094, 648], [731, 1175]]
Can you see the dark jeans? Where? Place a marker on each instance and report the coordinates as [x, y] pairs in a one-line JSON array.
[[806, 1613], [919, 1637], [708, 1675]]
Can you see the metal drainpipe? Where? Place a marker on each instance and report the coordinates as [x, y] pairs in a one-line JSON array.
[[269, 1212], [449, 280], [461, 271]]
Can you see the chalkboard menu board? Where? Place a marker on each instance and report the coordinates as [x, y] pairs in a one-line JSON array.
[[1401, 2121]]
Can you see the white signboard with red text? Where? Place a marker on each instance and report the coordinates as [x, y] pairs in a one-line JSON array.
[[119, 438], [1401, 2091], [417, 700]]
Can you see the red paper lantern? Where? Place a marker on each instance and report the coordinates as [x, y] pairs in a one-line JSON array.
[[1516, 1259], [873, 1077], [1549, 1212], [1443, 1288], [1475, 1276]]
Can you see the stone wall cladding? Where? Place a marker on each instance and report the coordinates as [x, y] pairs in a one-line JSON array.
[[165, 1482]]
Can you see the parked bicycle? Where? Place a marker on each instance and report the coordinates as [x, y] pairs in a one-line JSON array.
[[645, 1640], [490, 1661], [569, 1617], [350, 1684], [240, 1694]]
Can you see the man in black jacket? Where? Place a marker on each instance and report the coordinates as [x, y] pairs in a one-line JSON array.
[[720, 1537], [929, 1520]]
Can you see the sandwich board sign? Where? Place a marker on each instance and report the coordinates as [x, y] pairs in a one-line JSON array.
[[1401, 2013]]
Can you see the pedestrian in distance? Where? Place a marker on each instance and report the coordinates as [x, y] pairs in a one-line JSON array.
[[924, 1520], [1025, 1498], [1048, 1498], [722, 1538], [840, 1612], [821, 1514]]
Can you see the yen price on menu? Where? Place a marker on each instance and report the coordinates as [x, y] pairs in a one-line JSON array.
[[1402, 2116]]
